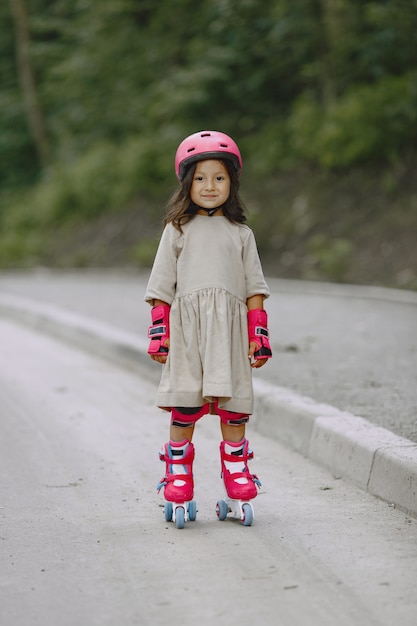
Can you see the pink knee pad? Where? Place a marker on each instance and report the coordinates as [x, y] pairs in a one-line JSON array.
[[230, 417], [184, 416]]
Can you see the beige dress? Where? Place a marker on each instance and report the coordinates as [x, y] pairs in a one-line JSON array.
[[206, 274]]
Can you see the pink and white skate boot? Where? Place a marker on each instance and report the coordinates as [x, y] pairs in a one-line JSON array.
[[240, 484], [178, 482]]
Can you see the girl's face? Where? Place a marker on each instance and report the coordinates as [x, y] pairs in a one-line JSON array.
[[211, 184]]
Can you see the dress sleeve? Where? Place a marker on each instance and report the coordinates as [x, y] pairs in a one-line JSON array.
[[255, 281], [163, 279]]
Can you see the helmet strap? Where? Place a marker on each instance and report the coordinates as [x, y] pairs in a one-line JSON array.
[[195, 207], [210, 212]]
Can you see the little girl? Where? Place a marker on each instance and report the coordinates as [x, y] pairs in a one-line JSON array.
[[209, 326]]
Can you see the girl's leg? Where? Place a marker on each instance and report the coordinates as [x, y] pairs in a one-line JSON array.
[[183, 420], [178, 454], [233, 433], [232, 425], [234, 454], [179, 434]]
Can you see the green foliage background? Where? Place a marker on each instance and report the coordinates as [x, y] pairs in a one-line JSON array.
[[321, 96]]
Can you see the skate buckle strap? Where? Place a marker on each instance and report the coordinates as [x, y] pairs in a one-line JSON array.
[[235, 475], [247, 474], [173, 461], [162, 483], [169, 478], [237, 457], [256, 481]]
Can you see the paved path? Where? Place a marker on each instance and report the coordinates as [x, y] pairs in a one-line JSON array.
[[84, 541]]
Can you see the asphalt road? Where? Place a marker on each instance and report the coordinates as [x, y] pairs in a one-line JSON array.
[[84, 540], [351, 347]]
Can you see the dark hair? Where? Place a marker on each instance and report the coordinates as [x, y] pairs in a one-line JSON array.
[[181, 209]]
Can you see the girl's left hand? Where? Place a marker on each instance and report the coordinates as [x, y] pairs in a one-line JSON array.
[[161, 358], [258, 362]]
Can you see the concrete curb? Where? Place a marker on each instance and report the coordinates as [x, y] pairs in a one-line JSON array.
[[372, 457]]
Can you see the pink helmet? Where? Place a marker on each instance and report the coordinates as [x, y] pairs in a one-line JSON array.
[[206, 144]]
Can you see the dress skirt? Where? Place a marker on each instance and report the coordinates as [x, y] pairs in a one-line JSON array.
[[208, 355]]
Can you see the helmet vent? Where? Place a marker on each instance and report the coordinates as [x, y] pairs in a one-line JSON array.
[[191, 149], [224, 145]]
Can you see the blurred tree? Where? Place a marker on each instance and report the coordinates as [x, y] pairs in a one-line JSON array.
[[18, 159], [274, 74], [27, 80]]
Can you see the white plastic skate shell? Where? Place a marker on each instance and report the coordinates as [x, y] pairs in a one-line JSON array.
[[180, 512]]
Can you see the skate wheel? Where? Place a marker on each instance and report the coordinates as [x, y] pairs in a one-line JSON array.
[[179, 517], [192, 511], [222, 509], [168, 511], [247, 517]]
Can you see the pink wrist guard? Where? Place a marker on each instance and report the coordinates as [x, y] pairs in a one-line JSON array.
[[259, 334], [159, 331]]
